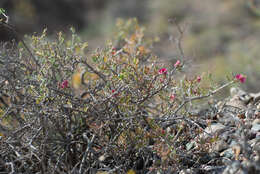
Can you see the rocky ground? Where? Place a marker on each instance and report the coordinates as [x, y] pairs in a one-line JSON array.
[[236, 123]]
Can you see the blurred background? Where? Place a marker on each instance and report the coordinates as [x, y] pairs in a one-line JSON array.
[[221, 36]]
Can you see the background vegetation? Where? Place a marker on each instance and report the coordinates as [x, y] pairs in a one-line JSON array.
[[221, 35]]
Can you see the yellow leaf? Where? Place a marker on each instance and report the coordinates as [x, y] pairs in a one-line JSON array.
[[105, 59], [102, 172], [38, 101], [84, 45], [69, 104], [1, 111], [131, 171], [94, 76], [1, 134], [39, 53], [122, 139]]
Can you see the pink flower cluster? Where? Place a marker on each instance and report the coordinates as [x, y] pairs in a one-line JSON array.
[[113, 51], [64, 84], [178, 63], [198, 79], [172, 97], [115, 93], [163, 71], [241, 78]]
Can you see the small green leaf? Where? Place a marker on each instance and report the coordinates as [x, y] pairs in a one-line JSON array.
[[2, 11], [136, 61], [121, 76], [94, 58]]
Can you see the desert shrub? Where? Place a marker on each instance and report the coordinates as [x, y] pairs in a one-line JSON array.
[[118, 108]]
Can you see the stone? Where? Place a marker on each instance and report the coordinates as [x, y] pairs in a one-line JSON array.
[[227, 153], [214, 129], [255, 128], [242, 95], [256, 121], [220, 145], [190, 145]]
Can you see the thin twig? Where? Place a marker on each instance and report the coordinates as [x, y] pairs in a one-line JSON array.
[[12, 29], [180, 38], [102, 76], [90, 143], [187, 100]]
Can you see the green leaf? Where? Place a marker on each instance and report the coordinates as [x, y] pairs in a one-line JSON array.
[[136, 61], [121, 76], [2, 11]]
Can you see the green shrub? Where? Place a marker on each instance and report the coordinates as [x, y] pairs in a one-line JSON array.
[[75, 111]]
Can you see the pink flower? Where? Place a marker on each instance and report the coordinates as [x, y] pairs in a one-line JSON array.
[[116, 93], [172, 97], [195, 91], [162, 131], [113, 51], [241, 78], [198, 79], [161, 80], [65, 84], [163, 71], [177, 63]]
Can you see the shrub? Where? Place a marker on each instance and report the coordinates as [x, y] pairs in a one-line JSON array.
[[117, 108]]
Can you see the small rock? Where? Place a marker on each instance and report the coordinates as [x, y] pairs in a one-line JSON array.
[[256, 121], [229, 120], [186, 171], [256, 146], [233, 168], [214, 129], [204, 158], [236, 102], [220, 146], [255, 128], [102, 158], [250, 113], [227, 153], [257, 114], [190, 145]]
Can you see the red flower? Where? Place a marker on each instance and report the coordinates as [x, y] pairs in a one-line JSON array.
[[116, 93], [172, 97], [65, 84], [241, 78], [198, 79], [177, 63], [163, 71], [163, 131], [113, 51], [161, 80]]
